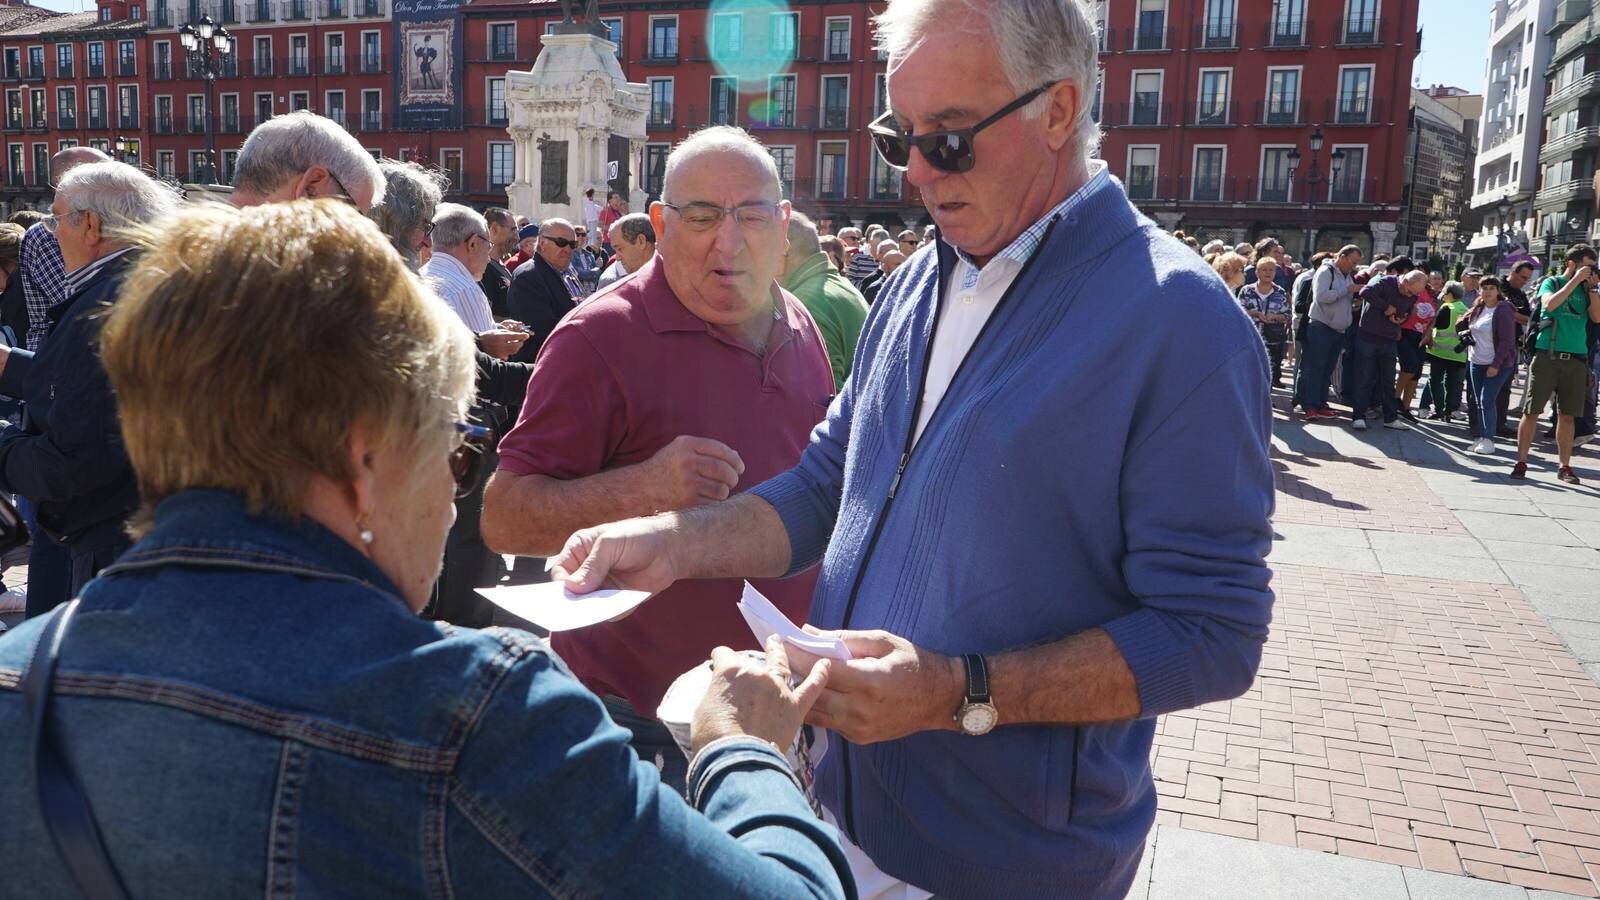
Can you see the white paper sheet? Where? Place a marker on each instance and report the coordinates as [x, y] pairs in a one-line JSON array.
[[552, 607], [766, 620]]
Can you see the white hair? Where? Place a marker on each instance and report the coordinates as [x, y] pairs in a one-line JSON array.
[[123, 197], [284, 147], [721, 139], [1039, 41], [454, 225], [1415, 276], [1213, 246]]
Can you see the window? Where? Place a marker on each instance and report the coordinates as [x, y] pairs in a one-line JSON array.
[[1219, 23], [36, 63], [497, 102], [450, 161], [166, 164], [299, 100], [1152, 30], [263, 107], [1208, 166], [1288, 25], [885, 180], [783, 157], [163, 115], [1360, 21], [780, 101], [1520, 120], [63, 60], [1283, 96], [782, 32], [230, 113], [263, 59], [724, 101], [14, 110], [66, 107], [66, 144], [19, 162], [835, 101], [1213, 105], [727, 35], [163, 70], [371, 51], [41, 164], [1142, 172], [1355, 91], [333, 105], [503, 41], [127, 54], [199, 167], [13, 65], [838, 39], [97, 59], [1345, 187], [197, 113], [128, 106], [832, 173], [880, 94], [372, 110], [97, 107], [664, 37], [660, 102], [655, 167], [299, 64], [1146, 98], [614, 32], [105, 13], [335, 59], [502, 162], [1276, 174], [36, 108], [230, 162]]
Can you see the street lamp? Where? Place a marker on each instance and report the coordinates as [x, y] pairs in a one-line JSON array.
[[1313, 179], [126, 147], [1503, 237], [208, 45]]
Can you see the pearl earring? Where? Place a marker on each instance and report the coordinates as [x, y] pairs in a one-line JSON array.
[[366, 536]]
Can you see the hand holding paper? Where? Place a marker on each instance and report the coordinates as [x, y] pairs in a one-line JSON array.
[[554, 608], [765, 620]]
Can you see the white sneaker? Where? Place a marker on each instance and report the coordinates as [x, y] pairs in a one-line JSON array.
[[1359, 424], [1486, 446], [14, 600], [1397, 425]]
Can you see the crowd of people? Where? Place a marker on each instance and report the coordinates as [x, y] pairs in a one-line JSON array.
[[1401, 344], [269, 446]]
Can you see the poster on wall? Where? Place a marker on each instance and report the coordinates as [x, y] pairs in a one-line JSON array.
[[430, 55]]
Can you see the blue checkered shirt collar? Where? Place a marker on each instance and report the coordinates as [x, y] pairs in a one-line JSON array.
[[1018, 251]]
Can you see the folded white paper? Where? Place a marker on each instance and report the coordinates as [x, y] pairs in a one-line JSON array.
[[766, 620], [554, 608]]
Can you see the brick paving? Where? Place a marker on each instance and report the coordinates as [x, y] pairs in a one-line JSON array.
[[1357, 492], [1418, 721]]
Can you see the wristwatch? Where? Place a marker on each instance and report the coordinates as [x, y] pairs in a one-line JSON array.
[[977, 714]]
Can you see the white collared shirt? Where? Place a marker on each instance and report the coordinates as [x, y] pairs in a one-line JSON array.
[[972, 294], [450, 279]]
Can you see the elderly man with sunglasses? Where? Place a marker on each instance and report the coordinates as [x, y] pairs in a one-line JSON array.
[[544, 288], [694, 377], [1042, 520]]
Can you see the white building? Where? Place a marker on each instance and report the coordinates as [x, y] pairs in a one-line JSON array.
[[1507, 170]]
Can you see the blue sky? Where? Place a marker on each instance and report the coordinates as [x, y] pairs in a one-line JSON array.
[[1455, 39]]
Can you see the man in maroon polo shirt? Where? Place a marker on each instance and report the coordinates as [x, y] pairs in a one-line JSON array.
[[696, 378]]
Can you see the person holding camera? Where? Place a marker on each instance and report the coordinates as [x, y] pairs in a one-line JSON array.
[[1560, 356], [1490, 337]]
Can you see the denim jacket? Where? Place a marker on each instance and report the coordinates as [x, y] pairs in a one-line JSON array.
[[253, 710]]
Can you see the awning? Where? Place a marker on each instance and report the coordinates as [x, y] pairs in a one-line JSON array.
[[1483, 242]]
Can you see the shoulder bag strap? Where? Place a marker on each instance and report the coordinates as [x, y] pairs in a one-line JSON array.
[[66, 811]]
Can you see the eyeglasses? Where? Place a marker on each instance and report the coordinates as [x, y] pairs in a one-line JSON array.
[[427, 229], [50, 223], [947, 151], [344, 193], [466, 460], [700, 216], [563, 243]]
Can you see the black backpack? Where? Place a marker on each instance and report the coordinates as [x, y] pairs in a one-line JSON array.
[[1302, 306]]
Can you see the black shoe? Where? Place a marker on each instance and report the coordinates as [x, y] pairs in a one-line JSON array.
[[1408, 416], [1507, 432]]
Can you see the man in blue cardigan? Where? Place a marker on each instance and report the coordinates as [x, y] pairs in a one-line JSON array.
[[1042, 519]]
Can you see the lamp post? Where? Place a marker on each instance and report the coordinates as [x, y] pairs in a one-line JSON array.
[[1314, 178], [126, 147], [208, 45], [1502, 237]]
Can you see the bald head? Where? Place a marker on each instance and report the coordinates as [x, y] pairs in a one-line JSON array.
[[66, 160]]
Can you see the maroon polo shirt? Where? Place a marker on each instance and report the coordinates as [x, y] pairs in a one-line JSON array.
[[623, 375]]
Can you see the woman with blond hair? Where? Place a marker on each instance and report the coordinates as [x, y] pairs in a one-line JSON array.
[[248, 697], [1230, 268]]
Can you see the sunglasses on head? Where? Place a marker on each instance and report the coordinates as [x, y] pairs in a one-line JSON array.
[[563, 243], [947, 151], [466, 460]]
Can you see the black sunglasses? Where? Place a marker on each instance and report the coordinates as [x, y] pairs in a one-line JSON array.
[[466, 461], [563, 243], [947, 151]]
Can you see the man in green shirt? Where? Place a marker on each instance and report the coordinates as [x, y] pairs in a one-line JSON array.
[[830, 297], [1561, 360]]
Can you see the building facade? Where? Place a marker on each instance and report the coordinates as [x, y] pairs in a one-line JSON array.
[[1506, 172], [1209, 109], [1440, 149], [1564, 206]]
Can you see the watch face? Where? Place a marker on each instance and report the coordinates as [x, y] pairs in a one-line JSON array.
[[978, 718]]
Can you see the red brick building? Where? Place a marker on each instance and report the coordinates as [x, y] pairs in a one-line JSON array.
[[1202, 102]]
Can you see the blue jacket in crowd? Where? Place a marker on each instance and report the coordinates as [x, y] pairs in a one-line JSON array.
[[253, 711], [1100, 460]]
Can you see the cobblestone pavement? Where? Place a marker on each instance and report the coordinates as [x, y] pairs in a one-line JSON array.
[[1422, 700]]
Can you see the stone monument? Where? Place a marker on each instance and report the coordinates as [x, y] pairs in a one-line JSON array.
[[563, 116]]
